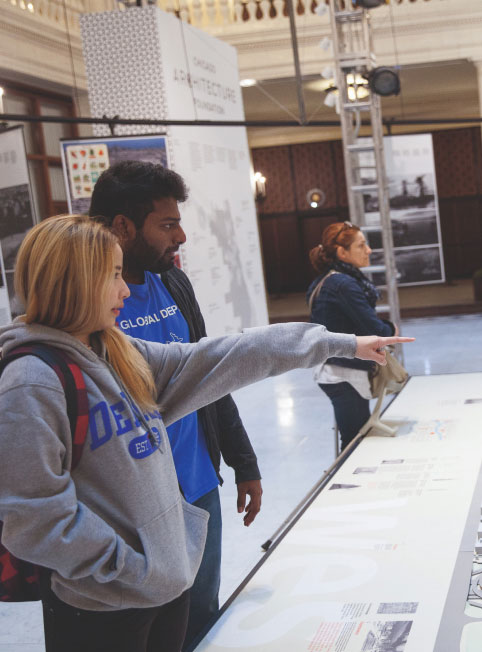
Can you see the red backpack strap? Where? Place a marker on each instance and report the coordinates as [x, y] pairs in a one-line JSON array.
[[20, 580], [76, 393]]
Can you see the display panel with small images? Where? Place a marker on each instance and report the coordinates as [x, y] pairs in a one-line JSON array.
[[84, 161]]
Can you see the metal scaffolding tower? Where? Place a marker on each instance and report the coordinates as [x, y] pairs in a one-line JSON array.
[[364, 157]]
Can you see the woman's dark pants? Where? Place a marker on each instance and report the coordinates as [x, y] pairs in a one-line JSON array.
[[352, 411]]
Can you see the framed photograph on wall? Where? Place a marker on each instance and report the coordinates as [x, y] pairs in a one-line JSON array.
[[17, 214], [414, 210]]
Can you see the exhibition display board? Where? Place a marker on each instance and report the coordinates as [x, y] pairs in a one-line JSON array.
[[17, 213], [146, 64], [84, 160], [381, 561], [414, 211]]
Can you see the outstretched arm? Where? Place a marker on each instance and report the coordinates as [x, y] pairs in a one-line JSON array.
[[189, 376]]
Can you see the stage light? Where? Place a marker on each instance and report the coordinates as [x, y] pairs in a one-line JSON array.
[[357, 87], [357, 93], [315, 197], [384, 81]]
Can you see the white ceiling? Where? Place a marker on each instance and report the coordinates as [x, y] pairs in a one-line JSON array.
[[444, 91]]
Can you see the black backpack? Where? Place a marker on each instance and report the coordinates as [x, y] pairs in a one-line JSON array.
[[20, 580]]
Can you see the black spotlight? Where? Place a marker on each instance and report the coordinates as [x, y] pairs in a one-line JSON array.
[[384, 81], [368, 4]]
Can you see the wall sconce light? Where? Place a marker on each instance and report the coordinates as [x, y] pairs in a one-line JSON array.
[[315, 197], [2, 92], [259, 186]]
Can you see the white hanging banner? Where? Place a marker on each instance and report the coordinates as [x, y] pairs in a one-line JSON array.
[[17, 214], [171, 70]]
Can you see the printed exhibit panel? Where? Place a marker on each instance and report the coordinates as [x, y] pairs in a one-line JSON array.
[[85, 159], [17, 214], [414, 210], [222, 252], [200, 73], [170, 70], [122, 54], [182, 73], [368, 566], [222, 255], [464, 400]]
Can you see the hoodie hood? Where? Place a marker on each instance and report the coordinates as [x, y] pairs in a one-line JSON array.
[[19, 333]]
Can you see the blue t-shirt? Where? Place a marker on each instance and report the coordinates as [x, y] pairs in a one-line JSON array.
[[150, 313]]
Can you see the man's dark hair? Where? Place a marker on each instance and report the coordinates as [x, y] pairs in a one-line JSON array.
[[129, 188]]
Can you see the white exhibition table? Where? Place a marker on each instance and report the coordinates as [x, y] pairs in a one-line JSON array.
[[381, 561]]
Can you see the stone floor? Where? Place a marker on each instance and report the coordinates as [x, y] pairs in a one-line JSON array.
[[290, 423]]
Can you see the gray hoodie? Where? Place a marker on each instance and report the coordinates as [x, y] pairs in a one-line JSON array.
[[116, 531]]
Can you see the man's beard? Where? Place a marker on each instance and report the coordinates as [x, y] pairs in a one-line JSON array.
[[151, 260]]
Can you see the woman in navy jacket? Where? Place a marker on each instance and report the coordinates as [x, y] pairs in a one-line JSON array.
[[343, 299]]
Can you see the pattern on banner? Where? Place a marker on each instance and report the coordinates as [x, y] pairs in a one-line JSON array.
[[138, 62]]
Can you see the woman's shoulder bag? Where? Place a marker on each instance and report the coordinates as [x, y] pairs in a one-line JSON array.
[[391, 377]]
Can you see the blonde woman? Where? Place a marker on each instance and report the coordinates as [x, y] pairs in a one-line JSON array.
[[121, 544]]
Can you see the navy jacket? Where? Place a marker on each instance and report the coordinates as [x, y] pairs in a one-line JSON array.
[[343, 307], [223, 428]]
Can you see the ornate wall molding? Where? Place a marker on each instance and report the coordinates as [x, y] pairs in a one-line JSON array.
[[36, 45], [38, 49]]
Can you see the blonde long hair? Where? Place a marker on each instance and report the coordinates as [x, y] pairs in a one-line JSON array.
[[61, 275]]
